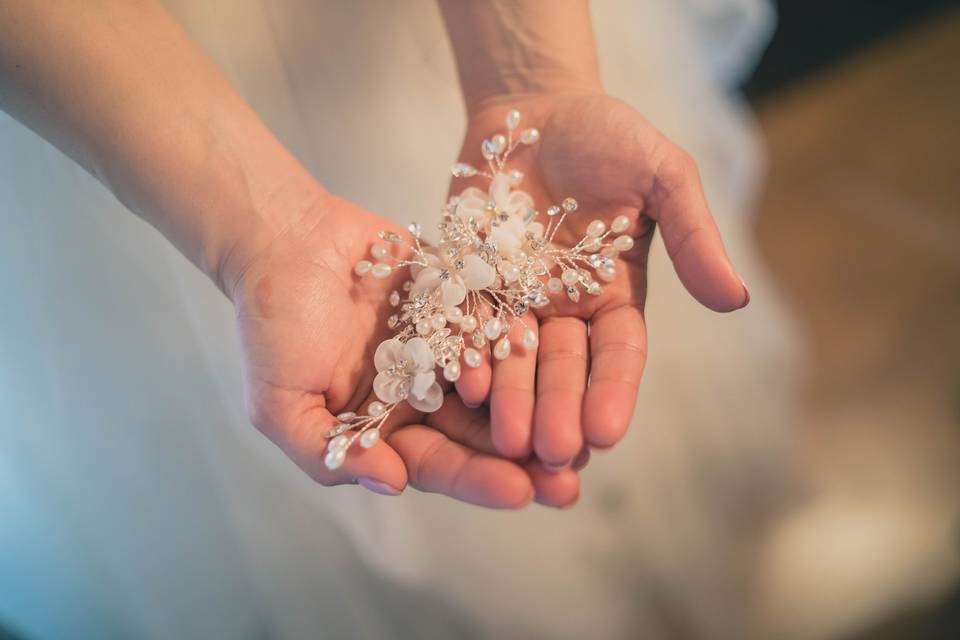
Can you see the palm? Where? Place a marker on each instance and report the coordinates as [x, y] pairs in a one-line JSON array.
[[603, 153], [309, 327]]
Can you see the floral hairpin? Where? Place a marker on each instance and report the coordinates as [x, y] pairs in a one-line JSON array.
[[493, 263]]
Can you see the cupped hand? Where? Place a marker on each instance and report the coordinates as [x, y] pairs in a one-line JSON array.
[[580, 387], [308, 329]]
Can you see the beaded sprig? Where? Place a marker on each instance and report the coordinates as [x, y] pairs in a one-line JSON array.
[[495, 261]]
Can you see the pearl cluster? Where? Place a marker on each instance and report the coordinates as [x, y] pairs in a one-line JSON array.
[[495, 261]]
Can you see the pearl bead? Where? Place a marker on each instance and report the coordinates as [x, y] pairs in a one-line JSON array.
[[513, 119], [452, 371], [606, 273], [530, 339], [596, 229], [378, 251], [492, 328], [376, 409], [468, 324], [591, 245], [438, 322], [335, 458], [472, 357], [369, 438], [623, 243], [569, 277], [381, 270], [609, 252], [502, 349], [346, 416], [454, 315], [620, 224], [363, 267], [424, 327], [554, 285], [339, 442], [510, 272]]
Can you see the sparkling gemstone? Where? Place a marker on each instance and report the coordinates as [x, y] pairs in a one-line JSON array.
[[389, 236], [415, 229], [554, 285], [376, 409], [369, 438], [381, 270], [363, 267], [468, 324], [451, 371], [596, 228], [334, 459], [569, 205], [463, 170], [530, 339], [573, 293], [529, 136], [623, 243], [488, 149], [569, 276], [552, 211], [492, 328], [513, 119], [620, 224], [378, 251], [394, 298], [472, 358], [502, 348]]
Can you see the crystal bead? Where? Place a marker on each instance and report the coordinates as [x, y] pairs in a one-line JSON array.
[[378, 251], [376, 409], [530, 339], [596, 229], [552, 211], [463, 170], [573, 293], [390, 236], [472, 358], [499, 143], [346, 416], [381, 270], [468, 324], [529, 136], [363, 267], [488, 149], [492, 328], [554, 285], [451, 371], [502, 348], [478, 339], [569, 277], [513, 119], [594, 288], [394, 298], [539, 300], [623, 243], [369, 438], [620, 224], [569, 205]]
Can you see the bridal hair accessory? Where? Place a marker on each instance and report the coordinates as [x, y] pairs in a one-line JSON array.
[[494, 262]]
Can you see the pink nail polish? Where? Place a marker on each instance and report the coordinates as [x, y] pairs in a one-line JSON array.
[[378, 487], [554, 468]]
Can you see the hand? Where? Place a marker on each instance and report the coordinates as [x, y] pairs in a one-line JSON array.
[[581, 386], [309, 328]]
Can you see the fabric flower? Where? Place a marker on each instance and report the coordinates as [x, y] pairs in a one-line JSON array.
[[453, 283], [509, 234], [406, 371]]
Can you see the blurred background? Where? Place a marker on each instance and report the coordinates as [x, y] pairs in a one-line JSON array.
[[859, 103]]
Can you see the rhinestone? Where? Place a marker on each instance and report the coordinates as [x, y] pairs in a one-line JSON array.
[[569, 205], [389, 236], [552, 211], [394, 298], [573, 293], [488, 149], [463, 170]]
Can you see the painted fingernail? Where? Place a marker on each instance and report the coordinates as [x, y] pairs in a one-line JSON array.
[[746, 292], [378, 487], [560, 466], [582, 459]]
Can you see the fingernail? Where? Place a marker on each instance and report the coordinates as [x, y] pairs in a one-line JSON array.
[[554, 468], [571, 504], [378, 487], [582, 459], [469, 405], [746, 292]]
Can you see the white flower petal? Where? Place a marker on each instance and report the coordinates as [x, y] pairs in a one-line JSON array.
[[421, 383], [476, 273], [431, 401], [427, 280], [453, 292], [388, 353], [506, 240], [518, 203], [536, 228], [420, 353], [429, 253], [500, 190], [388, 387], [473, 207]]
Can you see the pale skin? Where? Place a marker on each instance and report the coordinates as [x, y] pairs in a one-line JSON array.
[[118, 87]]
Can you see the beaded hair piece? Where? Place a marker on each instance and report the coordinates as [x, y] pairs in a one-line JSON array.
[[495, 261]]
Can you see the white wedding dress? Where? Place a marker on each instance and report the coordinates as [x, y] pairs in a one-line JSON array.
[[136, 501]]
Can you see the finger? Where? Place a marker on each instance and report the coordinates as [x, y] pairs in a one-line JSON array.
[[468, 426], [559, 489], [678, 204], [561, 380], [618, 352], [473, 385], [437, 464], [297, 423], [512, 392]]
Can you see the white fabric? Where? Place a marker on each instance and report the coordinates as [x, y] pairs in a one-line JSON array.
[[136, 500]]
